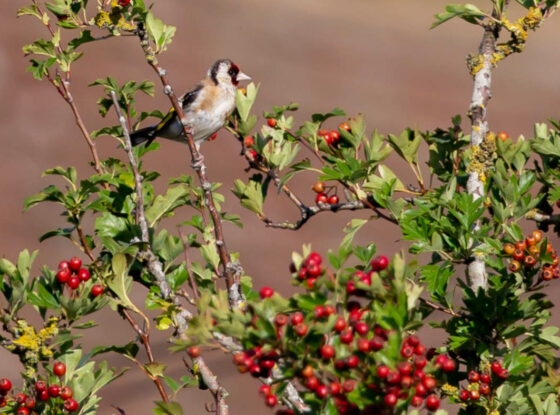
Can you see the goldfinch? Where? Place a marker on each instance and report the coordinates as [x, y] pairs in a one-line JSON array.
[[206, 107]]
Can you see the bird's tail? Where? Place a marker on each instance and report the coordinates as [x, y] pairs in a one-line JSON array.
[[144, 134]]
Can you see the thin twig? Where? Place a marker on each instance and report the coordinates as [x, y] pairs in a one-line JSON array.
[[439, 307], [211, 381], [145, 339]]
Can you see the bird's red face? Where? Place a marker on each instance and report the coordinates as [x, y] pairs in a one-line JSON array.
[[236, 75]]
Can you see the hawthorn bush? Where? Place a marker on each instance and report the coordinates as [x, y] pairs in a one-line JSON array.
[[346, 342]]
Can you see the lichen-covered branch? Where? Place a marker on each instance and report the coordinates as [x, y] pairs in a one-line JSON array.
[[480, 155]]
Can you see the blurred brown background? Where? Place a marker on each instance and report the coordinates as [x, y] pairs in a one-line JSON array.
[[376, 57]]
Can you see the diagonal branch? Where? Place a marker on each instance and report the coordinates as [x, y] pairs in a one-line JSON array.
[[231, 272]]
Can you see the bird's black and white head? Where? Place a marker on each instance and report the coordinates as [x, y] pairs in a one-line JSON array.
[[225, 72]]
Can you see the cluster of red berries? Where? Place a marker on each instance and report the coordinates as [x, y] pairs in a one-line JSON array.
[[527, 252], [332, 137], [324, 197], [379, 263], [256, 362], [409, 379], [480, 383], [249, 142], [24, 404], [72, 274], [310, 269]]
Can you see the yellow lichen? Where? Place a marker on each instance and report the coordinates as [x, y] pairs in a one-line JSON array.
[[482, 157], [448, 389]]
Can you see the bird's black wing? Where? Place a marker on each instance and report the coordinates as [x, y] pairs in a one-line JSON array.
[[190, 96]]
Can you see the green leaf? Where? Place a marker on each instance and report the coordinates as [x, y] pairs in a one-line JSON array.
[[121, 282], [159, 32], [164, 205], [244, 103], [171, 408], [250, 195], [467, 12]]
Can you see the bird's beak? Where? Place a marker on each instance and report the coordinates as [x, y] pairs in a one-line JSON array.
[[243, 77]]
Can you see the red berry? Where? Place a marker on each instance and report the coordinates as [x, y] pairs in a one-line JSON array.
[[264, 390], [83, 274], [432, 402], [313, 270], [43, 396], [54, 391], [66, 392], [376, 343], [5, 385], [319, 187], [407, 351], [416, 401], [301, 329], [496, 367], [464, 395], [429, 382], [327, 351], [335, 136], [64, 265], [252, 154], [318, 312], [22, 411], [266, 292], [97, 290], [307, 371], [352, 361], [420, 390], [404, 368], [473, 376], [420, 350], [382, 371], [249, 141], [348, 386], [297, 318], [420, 362], [339, 324], [448, 365], [393, 377], [75, 264], [362, 345], [63, 275], [390, 399], [321, 198], [124, 3], [71, 405], [21, 398], [73, 282], [484, 389], [346, 336], [440, 360], [281, 320], [503, 136], [329, 309], [334, 388], [344, 126], [503, 374], [40, 386], [333, 200], [322, 391], [312, 383], [379, 263], [406, 382], [361, 328], [271, 122], [413, 341], [485, 378], [194, 351], [474, 395], [30, 403], [59, 369]]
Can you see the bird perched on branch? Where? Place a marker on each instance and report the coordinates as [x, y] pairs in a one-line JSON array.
[[206, 107]]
